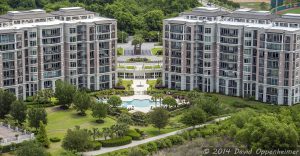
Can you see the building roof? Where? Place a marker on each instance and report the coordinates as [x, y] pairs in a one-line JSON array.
[[31, 14], [206, 11], [71, 11]]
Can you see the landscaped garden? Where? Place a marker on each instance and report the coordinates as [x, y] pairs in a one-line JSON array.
[[81, 120]]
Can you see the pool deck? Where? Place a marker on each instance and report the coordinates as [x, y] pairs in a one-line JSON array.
[[139, 86]]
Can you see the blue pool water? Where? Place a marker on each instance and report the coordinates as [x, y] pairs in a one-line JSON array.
[[138, 103]]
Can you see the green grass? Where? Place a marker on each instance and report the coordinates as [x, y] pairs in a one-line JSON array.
[[293, 11], [130, 67], [122, 67], [152, 67], [120, 51], [155, 50], [59, 121], [253, 5]]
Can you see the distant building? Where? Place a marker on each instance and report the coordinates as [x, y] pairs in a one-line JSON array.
[[72, 44], [244, 53]]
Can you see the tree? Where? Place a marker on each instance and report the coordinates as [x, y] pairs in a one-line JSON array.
[[114, 101], [31, 148], [194, 116], [154, 19], [64, 92], [42, 137], [122, 36], [95, 133], [6, 99], [169, 101], [43, 96], [18, 111], [210, 104], [125, 118], [82, 102], [137, 42], [78, 140], [263, 6], [106, 132], [159, 118], [268, 133], [35, 115], [119, 129], [99, 110]]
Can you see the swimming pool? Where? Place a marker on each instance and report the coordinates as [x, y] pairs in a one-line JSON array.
[[138, 103]]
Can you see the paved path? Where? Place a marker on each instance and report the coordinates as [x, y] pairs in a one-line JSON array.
[[136, 143]]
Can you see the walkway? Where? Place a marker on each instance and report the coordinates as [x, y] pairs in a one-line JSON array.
[[136, 143]]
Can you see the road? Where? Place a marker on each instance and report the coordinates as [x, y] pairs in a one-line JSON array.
[[136, 143]]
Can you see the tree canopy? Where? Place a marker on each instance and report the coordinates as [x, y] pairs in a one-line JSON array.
[[6, 99], [159, 117]]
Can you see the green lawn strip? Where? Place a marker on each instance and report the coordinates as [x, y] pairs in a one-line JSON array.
[[130, 67], [155, 50], [121, 66], [293, 11], [59, 121], [120, 51]]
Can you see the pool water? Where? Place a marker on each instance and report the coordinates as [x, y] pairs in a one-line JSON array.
[[139, 103]]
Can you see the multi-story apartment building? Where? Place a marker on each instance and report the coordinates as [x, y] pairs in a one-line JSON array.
[[72, 44], [242, 53]]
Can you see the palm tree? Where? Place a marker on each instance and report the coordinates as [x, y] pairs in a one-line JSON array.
[[137, 41], [160, 96], [106, 132], [95, 133], [154, 98]]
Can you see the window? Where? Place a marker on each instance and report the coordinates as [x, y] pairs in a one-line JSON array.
[[32, 34], [207, 30], [72, 30], [73, 39], [207, 47]]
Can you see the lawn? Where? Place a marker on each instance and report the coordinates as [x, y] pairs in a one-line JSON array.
[[59, 121], [293, 11], [130, 67], [155, 51], [120, 51], [252, 5]]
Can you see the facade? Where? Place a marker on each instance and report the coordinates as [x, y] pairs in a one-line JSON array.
[[242, 53], [72, 44]]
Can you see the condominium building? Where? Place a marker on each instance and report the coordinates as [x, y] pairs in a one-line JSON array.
[[71, 44], [242, 53]]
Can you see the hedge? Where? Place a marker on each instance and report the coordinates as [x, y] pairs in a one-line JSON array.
[[55, 139], [117, 141], [134, 135], [96, 145]]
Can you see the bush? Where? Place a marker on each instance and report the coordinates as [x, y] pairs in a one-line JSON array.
[[161, 144], [151, 147], [55, 139], [117, 141], [29, 99], [96, 145], [168, 142], [138, 152], [134, 135], [176, 139]]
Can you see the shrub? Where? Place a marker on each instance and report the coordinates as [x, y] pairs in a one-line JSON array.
[[138, 152], [117, 141], [195, 134], [176, 139], [161, 144], [134, 135], [168, 142], [151, 147], [55, 139], [96, 145], [29, 99]]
